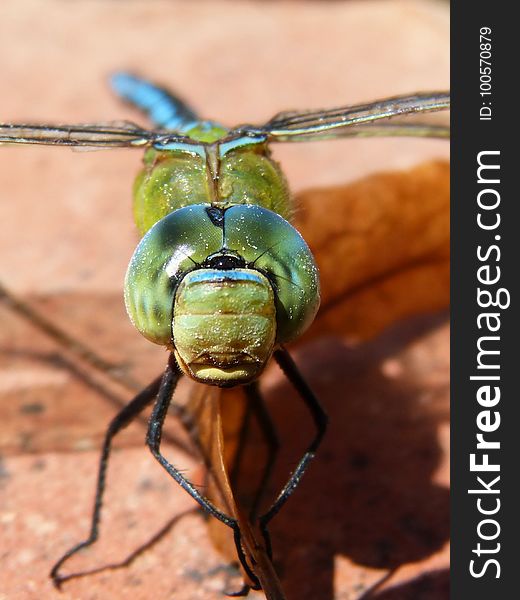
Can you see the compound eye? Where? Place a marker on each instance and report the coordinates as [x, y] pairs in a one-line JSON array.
[[270, 244], [175, 245]]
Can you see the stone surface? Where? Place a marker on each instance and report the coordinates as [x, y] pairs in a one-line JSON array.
[[374, 508]]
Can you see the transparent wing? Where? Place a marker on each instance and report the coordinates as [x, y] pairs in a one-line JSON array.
[[120, 135], [361, 120]]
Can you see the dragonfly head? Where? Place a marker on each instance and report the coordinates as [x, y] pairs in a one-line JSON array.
[[221, 288]]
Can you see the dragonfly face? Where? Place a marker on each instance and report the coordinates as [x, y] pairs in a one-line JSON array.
[[223, 325], [221, 287]]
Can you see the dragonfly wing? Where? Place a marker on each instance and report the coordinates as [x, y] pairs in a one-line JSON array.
[[126, 135], [381, 118]]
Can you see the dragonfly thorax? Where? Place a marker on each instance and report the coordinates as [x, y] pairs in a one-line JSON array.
[[207, 173]]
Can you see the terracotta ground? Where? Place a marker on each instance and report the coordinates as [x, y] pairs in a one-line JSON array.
[[375, 505]]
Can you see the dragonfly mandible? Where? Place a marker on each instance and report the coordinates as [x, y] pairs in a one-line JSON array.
[[220, 277]]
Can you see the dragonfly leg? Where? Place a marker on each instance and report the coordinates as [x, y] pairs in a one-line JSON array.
[[242, 558], [119, 422], [320, 419], [242, 592], [153, 439], [162, 108]]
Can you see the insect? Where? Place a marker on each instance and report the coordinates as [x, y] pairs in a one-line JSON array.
[[220, 277]]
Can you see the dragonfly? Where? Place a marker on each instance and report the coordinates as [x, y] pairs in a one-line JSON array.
[[220, 278]]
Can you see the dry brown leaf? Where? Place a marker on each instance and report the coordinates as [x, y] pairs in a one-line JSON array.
[[382, 246]]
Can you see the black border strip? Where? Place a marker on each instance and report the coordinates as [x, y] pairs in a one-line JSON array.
[[492, 140]]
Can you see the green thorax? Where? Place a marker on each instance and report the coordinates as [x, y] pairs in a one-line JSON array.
[[208, 172]]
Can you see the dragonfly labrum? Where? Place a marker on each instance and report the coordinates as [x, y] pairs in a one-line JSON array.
[[221, 278]]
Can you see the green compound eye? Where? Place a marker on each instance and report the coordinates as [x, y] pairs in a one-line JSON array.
[[173, 291], [270, 244], [176, 244]]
